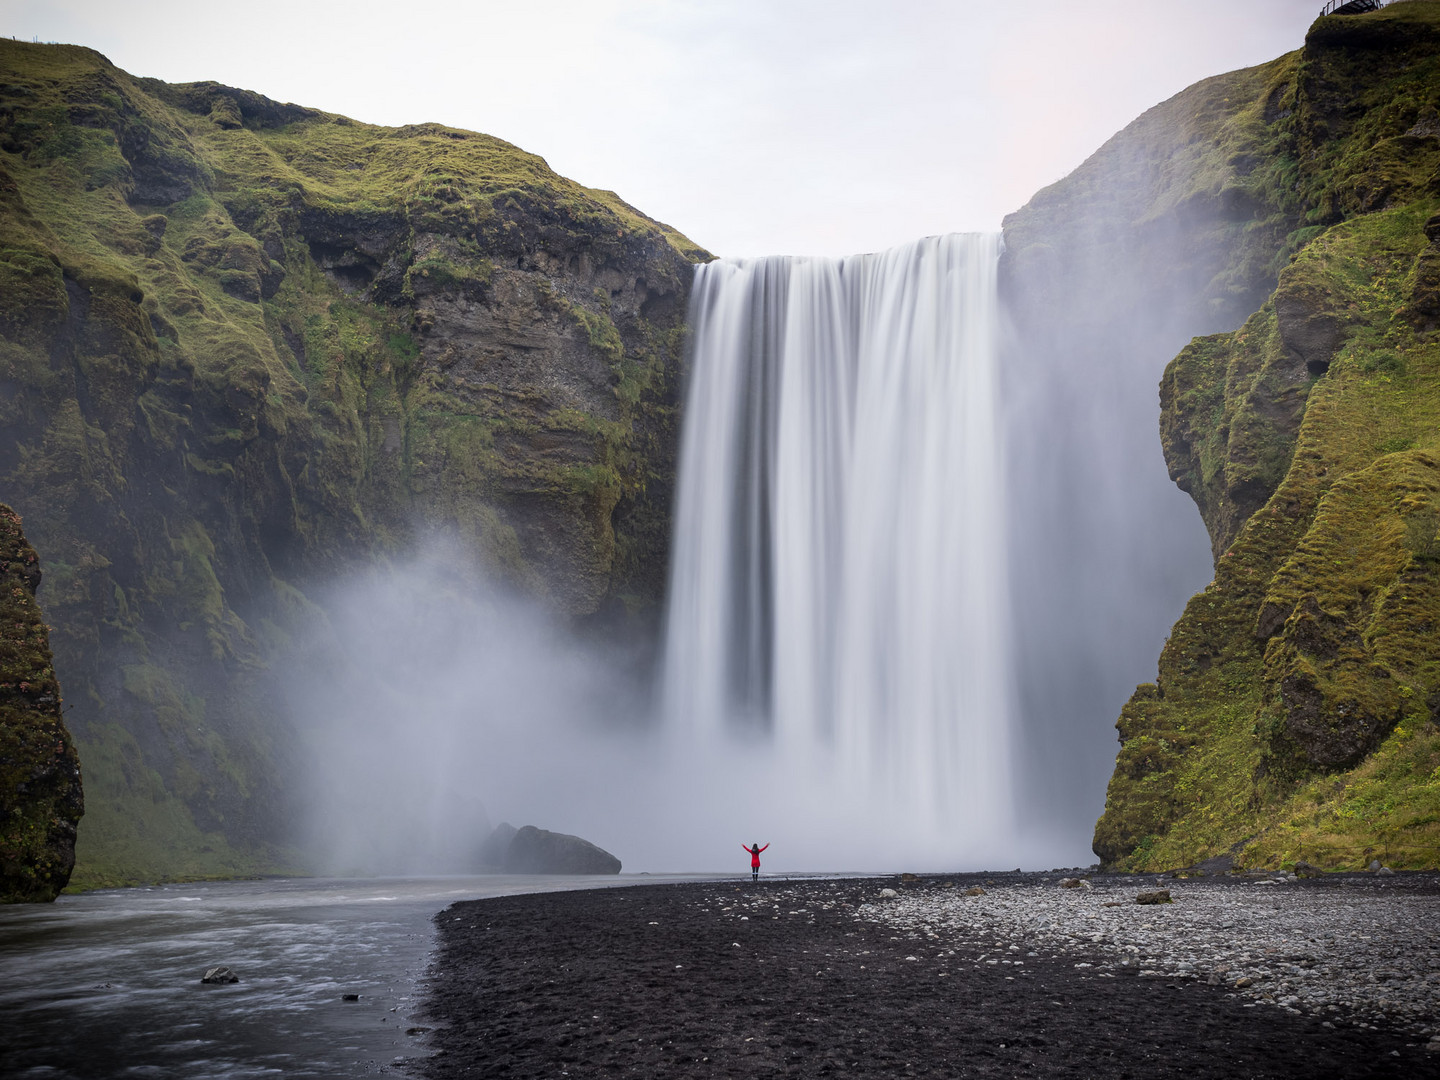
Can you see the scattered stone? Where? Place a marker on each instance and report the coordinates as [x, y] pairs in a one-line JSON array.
[[974, 890], [219, 975], [1308, 870], [1374, 864], [1358, 951], [888, 894], [1069, 883], [1384, 871], [1156, 896]]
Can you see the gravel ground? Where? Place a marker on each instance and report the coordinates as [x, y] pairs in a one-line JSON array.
[[834, 977], [1349, 948]]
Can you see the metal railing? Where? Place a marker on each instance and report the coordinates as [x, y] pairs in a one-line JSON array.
[[1351, 7]]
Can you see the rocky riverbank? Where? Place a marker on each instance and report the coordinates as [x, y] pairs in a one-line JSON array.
[[957, 975], [1349, 948]]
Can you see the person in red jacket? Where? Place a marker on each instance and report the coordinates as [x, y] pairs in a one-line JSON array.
[[754, 850]]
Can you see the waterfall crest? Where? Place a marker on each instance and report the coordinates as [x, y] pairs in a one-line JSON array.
[[838, 588]]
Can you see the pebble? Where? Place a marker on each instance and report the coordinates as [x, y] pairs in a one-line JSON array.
[[1350, 948]]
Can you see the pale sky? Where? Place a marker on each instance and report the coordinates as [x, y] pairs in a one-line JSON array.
[[753, 126]]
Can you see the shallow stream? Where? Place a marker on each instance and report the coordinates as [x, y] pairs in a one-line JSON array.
[[107, 984]]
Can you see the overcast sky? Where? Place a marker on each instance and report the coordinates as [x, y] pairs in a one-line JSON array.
[[753, 126]]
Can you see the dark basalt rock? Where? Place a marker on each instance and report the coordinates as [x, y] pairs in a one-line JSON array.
[[40, 796], [539, 851]]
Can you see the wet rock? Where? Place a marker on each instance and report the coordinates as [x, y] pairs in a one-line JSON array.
[[539, 851], [497, 845], [40, 795], [219, 975]]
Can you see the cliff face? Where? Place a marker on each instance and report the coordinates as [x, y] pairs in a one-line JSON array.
[[40, 796], [1295, 710], [1169, 230], [246, 344]]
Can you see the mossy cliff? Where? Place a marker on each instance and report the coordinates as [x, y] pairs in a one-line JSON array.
[[1173, 228], [1296, 706], [244, 345], [40, 796]]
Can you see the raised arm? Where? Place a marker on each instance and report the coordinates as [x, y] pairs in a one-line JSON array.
[[763, 848]]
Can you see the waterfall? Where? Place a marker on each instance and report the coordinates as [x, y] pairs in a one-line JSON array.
[[838, 592]]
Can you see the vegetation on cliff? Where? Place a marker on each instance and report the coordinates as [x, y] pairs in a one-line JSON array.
[[1296, 707], [40, 797], [243, 344]]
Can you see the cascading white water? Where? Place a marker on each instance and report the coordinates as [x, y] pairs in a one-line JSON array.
[[838, 588]]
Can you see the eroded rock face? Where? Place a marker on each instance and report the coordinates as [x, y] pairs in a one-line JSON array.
[[247, 347], [40, 796], [1295, 705]]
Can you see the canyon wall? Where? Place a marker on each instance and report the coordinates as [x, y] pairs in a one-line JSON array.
[[1290, 206], [245, 346]]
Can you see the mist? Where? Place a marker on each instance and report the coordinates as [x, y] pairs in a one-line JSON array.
[[431, 703]]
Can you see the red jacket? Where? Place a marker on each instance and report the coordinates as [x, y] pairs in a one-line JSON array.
[[754, 855]]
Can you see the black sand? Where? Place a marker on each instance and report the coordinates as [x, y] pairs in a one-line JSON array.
[[657, 981]]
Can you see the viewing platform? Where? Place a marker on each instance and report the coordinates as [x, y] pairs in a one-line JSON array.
[[1351, 7]]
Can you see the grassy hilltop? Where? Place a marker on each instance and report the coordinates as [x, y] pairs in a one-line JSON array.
[[244, 345]]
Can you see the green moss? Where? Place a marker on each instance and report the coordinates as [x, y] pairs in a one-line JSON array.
[[1295, 708], [40, 796], [216, 315], [141, 831], [1294, 712]]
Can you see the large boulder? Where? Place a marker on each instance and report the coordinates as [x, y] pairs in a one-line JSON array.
[[497, 846], [539, 851]]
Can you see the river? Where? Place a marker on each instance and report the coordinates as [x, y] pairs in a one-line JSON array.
[[107, 983]]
